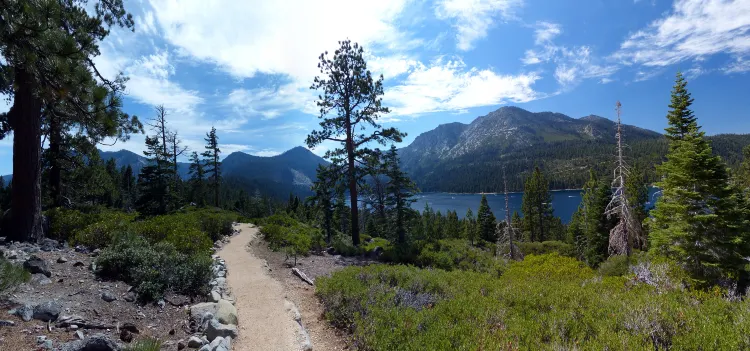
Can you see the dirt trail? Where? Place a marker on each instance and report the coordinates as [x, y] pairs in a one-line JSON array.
[[264, 322]]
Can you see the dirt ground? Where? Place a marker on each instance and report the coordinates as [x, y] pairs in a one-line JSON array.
[[324, 337], [75, 286]]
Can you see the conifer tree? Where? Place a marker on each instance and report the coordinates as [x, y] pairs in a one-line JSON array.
[[743, 173], [452, 225], [323, 197], [470, 230], [355, 99], [213, 166], [128, 188], [589, 229], [197, 180], [154, 179], [701, 219], [400, 190], [486, 221], [537, 206]]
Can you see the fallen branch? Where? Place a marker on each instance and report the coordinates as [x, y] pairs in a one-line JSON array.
[[303, 276]]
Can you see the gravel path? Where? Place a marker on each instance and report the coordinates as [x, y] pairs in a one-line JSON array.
[[264, 321]]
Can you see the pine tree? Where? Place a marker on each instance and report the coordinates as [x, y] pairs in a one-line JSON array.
[[153, 181], [452, 225], [197, 180], [701, 219], [323, 193], [351, 93], [589, 229], [486, 221], [743, 173], [213, 166], [537, 206], [470, 231], [400, 190], [128, 188], [636, 190]]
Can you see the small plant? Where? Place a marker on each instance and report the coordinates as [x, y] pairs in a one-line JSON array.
[[11, 276], [147, 344]]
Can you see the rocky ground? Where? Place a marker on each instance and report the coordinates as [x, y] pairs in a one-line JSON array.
[[67, 307], [322, 334]]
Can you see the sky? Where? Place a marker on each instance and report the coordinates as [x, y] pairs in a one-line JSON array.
[[246, 67]]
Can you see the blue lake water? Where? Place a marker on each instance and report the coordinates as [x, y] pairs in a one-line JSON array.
[[564, 203]]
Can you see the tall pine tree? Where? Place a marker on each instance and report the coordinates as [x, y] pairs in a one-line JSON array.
[[213, 165], [400, 191], [486, 221], [537, 207], [589, 229], [700, 220]]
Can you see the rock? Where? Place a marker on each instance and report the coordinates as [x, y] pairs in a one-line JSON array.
[[62, 259], [73, 327], [79, 334], [215, 344], [126, 336], [96, 252], [216, 329], [92, 266], [47, 345], [47, 311], [226, 312], [195, 342], [39, 279], [108, 296], [97, 342], [129, 297], [215, 296], [172, 331], [11, 255], [224, 345], [181, 345], [48, 245], [78, 264], [205, 348], [40, 339], [130, 327], [25, 312], [37, 265], [4, 323], [161, 304]]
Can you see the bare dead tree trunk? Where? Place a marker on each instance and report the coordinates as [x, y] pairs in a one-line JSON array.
[[508, 234]]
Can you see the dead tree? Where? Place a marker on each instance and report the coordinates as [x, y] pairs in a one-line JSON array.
[[626, 233], [508, 234]]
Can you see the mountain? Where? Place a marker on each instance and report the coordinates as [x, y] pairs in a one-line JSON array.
[[458, 157], [292, 171]]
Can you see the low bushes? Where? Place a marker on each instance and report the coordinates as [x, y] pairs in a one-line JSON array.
[[547, 247], [103, 229], [459, 254], [11, 276], [155, 268], [294, 238], [546, 302]]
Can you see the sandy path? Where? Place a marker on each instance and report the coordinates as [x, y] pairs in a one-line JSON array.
[[264, 322]]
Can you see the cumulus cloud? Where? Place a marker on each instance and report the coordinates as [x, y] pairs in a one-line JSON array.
[[449, 85], [472, 19], [692, 30], [272, 102]]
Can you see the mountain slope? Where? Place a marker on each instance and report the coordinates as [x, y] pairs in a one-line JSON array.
[[471, 158]]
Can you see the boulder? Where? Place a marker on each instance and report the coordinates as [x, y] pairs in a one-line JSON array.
[[47, 311], [5, 323], [215, 296], [224, 345], [39, 279], [25, 312], [226, 313], [214, 344], [129, 297], [195, 342], [37, 265], [97, 342], [216, 329], [62, 259], [48, 245]]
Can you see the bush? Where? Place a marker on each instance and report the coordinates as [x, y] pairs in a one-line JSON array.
[[546, 302], [215, 222], [547, 247], [105, 226], [63, 223], [155, 268], [147, 344], [183, 230], [291, 236], [453, 254], [342, 245], [11, 276]]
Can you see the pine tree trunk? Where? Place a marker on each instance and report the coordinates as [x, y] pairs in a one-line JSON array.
[[25, 119], [55, 173], [353, 196]]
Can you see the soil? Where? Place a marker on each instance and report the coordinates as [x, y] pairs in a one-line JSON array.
[[74, 285], [323, 335]]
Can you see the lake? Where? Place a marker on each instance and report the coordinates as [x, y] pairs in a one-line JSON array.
[[564, 202]]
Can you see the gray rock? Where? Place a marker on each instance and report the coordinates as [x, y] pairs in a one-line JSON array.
[[4, 323], [97, 342], [129, 297], [195, 342], [108, 296], [216, 329], [161, 304], [25, 312], [47, 345], [215, 296], [48, 245], [41, 339], [37, 265], [62, 259], [205, 348], [11, 255], [39, 279], [181, 344], [215, 344], [78, 264], [130, 327], [79, 334], [47, 311], [224, 345]]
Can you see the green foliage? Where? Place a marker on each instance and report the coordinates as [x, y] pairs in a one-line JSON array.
[[457, 254], [537, 207], [63, 223], [617, 265], [212, 164], [291, 236], [374, 243], [183, 230], [105, 226], [545, 302], [547, 247], [486, 221], [589, 228], [147, 344], [154, 269], [11, 276]]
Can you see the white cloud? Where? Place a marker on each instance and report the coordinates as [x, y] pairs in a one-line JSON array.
[[271, 102], [740, 65], [390, 66], [473, 18], [606, 80], [276, 37], [451, 86], [566, 75], [150, 84], [695, 72], [266, 153], [692, 30], [545, 32]]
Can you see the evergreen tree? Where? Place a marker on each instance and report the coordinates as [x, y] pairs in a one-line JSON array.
[[470, 231], [589, 228], [47, 59], [400, 190], [128, 188], [701, 219], [743, 173], [537, 207], [197, 180], [154, 179], [350, 93], [213, 166], [323, 192], [486, 221], [636, 191], [452, 225]]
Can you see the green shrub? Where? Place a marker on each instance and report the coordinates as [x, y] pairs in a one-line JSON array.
[[547, 247], [155, 268], [63, 223], [375, 243], [546, 302], [183, 230], [102, 231], [453, 254], [291, 236], [11, 276], [147, 344], [342, 245], [620, 265], [215, 222]]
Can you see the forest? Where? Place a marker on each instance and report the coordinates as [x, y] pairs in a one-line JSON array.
[[616, 277]]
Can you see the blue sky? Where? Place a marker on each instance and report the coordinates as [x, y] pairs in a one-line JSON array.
[[245, 67]]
